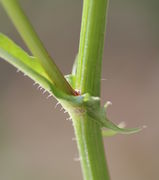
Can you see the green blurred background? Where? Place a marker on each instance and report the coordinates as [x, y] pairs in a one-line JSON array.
[[36, 140]]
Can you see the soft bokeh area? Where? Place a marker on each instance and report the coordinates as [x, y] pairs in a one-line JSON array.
[[35, 138]]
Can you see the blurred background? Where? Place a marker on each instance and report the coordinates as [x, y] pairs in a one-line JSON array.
[[35, 138]]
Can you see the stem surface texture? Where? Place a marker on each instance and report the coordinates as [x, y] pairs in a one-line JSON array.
[[88, 78]]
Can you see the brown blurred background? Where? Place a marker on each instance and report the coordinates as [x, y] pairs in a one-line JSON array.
[[36, 140]]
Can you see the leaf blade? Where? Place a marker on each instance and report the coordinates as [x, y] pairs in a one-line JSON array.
[[7, 46]]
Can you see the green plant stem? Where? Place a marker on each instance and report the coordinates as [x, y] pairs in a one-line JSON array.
[[91, 46], [91, 150], [88, 132], [33, 42]]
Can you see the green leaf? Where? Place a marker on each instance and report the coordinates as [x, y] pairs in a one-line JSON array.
[[71, 79], [9, 48], [110, 132], [110, 125], [99, 114], [74, 68], [30, 66]]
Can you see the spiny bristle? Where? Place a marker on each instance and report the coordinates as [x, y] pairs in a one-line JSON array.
[[122, 124], [49, 96], [77, 159], [103, 79], [107, 104], [38, 87], [57, 104], [44, 91], [61, 108], [144, 126], [68, 119], [35, 83]]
